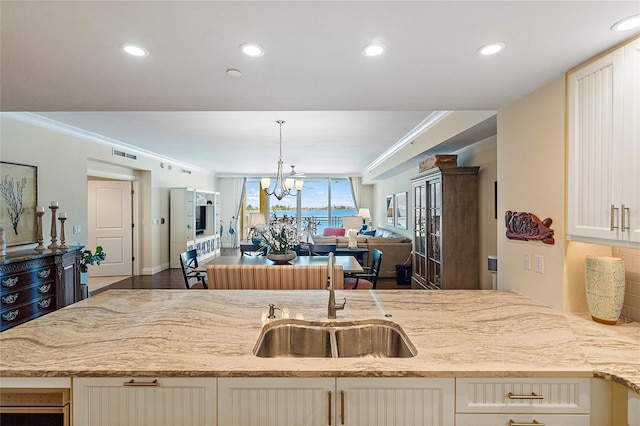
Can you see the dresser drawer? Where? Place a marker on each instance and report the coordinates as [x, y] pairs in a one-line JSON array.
[[565, 396], [522, 420], [18, 296], [10, 283], [10, 316]]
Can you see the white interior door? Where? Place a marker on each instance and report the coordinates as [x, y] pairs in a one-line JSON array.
[[110, 226]]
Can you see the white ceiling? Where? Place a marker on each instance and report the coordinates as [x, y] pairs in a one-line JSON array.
[[342, 109]]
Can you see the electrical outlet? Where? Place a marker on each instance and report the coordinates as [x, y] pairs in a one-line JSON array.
[[76, 229], [539, 261], [525, 262]]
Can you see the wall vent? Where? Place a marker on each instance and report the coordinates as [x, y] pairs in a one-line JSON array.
[[186, 171], [124, 154]]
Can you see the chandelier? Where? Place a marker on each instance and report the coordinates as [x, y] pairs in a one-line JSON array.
[[282, 186]]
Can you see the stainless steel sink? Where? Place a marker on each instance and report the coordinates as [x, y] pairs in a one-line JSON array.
[[293, 341], [370, 338], [373, 340]]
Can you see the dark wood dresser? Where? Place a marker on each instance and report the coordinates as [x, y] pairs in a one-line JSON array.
[[35, 283]]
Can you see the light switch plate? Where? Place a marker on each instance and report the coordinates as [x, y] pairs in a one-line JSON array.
[[539, 264], [526, 264]]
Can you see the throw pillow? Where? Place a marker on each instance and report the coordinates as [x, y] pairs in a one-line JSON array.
[[333, 232]]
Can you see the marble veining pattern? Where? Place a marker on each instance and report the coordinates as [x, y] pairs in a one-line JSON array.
[[172, 333]]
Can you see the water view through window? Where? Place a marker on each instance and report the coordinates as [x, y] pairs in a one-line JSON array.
[[325, 201]]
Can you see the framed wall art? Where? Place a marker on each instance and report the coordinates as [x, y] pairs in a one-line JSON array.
[[401, 210], [18, 200], [390, 210]]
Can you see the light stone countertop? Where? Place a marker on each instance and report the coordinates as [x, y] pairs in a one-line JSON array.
[[189, 333]]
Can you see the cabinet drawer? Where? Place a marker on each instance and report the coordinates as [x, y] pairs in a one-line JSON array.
[[15, 315], [523, 396], [10, 283], [18, 296], [522, 420]]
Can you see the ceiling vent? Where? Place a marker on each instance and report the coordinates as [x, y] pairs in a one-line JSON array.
[[124, 154]]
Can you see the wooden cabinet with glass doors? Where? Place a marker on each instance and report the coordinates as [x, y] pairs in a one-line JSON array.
[[445, 243]]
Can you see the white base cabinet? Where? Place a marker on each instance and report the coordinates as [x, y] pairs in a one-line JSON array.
[[144, 401], [342, 401], [522, 420]]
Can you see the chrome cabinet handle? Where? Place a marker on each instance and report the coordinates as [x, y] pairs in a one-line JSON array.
[[532, 395], [10, 298], [44, 274], [329, 414], [10, 282], [11, 315], [625, 211], [133, 382], [613, 215], [44, 303], [44, 288], [533, 423]]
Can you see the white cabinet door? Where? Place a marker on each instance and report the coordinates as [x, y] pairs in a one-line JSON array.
[[520, 395], [631, 143], [276, 401], [395, 401], [595, 128], [522, 420], [144, 402]]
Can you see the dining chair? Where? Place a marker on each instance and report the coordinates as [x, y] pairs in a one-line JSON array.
[[252, 250], [367, 280], [321, 249], [193, 278]]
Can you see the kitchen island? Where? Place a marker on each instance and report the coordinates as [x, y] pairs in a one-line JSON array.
[[204, 334]]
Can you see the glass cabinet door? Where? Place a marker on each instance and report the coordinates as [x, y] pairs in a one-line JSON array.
[[420, 231], [434, 226]]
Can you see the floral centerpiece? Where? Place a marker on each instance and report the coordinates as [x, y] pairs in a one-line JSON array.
[[279, 238], [89, 258]]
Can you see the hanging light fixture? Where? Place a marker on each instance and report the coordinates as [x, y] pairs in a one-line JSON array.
[[282, 186]]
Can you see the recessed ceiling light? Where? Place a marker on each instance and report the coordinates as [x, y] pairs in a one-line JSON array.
[[491, 49], [134, 50], [627, 24], [232, 72], [373, 50], [252, 50]]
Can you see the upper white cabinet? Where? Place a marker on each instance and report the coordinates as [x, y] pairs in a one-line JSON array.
[[604, 148], [194, 223]]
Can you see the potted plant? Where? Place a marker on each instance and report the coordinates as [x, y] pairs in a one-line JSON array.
[[280, 237], [89, 258]]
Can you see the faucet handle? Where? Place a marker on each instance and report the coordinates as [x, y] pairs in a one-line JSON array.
[[340, 307], [272, 309]]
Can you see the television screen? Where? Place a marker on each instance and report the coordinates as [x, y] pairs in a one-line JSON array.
[[201, 219]]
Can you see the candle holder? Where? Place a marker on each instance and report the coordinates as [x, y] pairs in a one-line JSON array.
[[54, 233], [62, 245], [40, 246]]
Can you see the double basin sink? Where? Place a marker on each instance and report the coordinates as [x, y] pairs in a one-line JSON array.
[[298, 339]]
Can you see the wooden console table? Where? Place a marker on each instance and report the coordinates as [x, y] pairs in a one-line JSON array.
[[35, 283]]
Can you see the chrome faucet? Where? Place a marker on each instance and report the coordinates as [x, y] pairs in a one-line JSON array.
[[332, 295]]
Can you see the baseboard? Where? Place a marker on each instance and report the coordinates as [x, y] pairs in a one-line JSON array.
[[155, 269]]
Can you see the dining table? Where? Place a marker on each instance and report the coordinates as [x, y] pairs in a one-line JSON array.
[[350, 264]]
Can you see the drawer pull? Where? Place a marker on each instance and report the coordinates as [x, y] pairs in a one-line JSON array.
[[533, 423], [11, 315], [10, 282], [44, 274], [533, 395], [10, 298], [133, 382], [44, 303], [44, 288]]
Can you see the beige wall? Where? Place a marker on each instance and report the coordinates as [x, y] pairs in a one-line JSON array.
[[64, 163], [531, 176]]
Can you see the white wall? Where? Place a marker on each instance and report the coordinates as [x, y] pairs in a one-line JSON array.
[[531, 178], [64, 161]]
